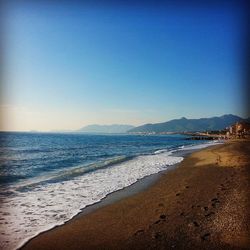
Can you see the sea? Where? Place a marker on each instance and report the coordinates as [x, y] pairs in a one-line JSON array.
[[48, 178]]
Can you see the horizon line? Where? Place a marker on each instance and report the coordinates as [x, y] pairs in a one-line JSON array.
[[78, 130]]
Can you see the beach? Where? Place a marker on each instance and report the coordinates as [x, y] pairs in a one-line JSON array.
[[202, 204]]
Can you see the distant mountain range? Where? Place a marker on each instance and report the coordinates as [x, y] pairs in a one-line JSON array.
[[189, 125], [176, 126], [114, 129]]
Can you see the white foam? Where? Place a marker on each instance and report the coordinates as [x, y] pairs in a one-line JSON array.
[[198, 146], [160, 151], [26, 214]]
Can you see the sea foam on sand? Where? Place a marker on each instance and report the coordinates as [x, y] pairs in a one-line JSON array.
[[25, 214]]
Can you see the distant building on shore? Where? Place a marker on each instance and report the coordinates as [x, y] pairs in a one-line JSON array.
[[239, 130]]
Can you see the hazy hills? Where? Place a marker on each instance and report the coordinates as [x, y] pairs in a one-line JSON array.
[[177, 125], [189, 125], [115, 128]]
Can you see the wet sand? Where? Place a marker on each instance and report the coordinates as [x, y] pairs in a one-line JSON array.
[[202, 204]]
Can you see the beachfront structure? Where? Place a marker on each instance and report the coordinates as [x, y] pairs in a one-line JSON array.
[[239, 129]]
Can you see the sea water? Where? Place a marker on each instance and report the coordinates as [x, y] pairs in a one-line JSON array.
[[46, 179]]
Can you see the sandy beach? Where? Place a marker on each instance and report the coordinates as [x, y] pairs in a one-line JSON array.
[[202, 204]]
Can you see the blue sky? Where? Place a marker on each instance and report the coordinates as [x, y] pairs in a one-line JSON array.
[[70, 65]]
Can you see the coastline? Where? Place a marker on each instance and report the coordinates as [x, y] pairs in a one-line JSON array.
[[167, 159], [89, 221], [139, 186]]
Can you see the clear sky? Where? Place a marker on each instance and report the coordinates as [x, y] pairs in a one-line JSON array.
[[70, 65]]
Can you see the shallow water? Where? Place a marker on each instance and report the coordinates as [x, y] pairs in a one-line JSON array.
[[46, 179]]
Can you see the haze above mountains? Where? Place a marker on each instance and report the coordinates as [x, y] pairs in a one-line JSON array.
[[115, 128], [177, 125]]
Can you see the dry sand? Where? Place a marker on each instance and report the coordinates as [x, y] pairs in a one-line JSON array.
[[203, 204]]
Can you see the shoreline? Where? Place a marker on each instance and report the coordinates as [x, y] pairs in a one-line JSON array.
[[113, 197], [122, 224], [137, 187]]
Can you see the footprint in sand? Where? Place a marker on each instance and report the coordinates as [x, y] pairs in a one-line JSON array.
[[196, 224], [157, 222], [209, 214], [163, 216], [162, 219], [157, 235], [215, 202], [222, 187], [205, 236], [139, 232]]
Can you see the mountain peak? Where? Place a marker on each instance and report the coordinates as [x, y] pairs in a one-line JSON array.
[[229, 115], [189, 125]]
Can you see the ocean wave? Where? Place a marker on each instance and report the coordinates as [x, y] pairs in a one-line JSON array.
[[67, 173], [55, 199], [44, 206], [198, 146]]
